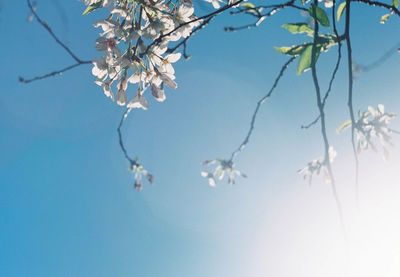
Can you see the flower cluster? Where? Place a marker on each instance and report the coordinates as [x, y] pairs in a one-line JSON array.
[[134, 42], [316, 166], [139, 171], [369, 125], [224, 167]]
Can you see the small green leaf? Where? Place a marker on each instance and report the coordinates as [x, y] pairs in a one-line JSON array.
[[305, 61], [395, 3], [298, 28], [92, 7], [385, 17], [294, 50], [340, 10], [344, 126], [319, 14], [247, 5]]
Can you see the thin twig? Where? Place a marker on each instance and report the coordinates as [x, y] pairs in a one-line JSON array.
[[160, 38], [259, 103], [378, 4], [195, 30], [261, 17], [385, 56], [56, 72], [47, 27], [312, 123], [121, 142], [339, 54]]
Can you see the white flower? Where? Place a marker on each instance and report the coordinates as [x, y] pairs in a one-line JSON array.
[[224, 167], [327, 3], [210, 177], [138, 102], [168, 80], [215, 3], [158, 93], [106, 88], [369, 125], [316, 166], [100, 68], [139, 171]]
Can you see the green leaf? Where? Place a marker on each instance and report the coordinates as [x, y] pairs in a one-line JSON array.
[[395, 3], [344, 126], [294, 50], [385, 17], [340, 10], [247, 5], [305, 61], [298, 28], [92, 7], [319, 14]]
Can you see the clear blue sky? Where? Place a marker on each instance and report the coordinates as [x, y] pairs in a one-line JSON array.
[[67, 203]]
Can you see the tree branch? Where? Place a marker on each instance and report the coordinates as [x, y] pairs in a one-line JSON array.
[[58, 41], [378, 4], [259, 103], [327, 161], [350, 95]]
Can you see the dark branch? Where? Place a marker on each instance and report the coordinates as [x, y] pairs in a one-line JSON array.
[[57, 72], [184, 41], [259, 103], [54, 73], [121, 142], [379, 4], [213, 14], [261, 17], [47, 27]]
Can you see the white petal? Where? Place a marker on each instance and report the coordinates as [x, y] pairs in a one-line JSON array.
[[121, 97]]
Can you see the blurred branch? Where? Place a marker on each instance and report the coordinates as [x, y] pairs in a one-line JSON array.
[[320, 105], [350, 94], [384, 57]]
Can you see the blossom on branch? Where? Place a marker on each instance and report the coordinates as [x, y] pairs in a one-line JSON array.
[[224, 167], [318, 166], [371, 125]]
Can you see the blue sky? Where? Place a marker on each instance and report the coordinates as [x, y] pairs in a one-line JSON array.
[[67, 203]]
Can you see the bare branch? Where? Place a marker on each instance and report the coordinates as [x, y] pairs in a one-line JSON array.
[[56, 72], [379, 4], [47, 27], [259, 103], [312, 123], [121, 142], [213, 14], [184, 41], [261, 17]]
